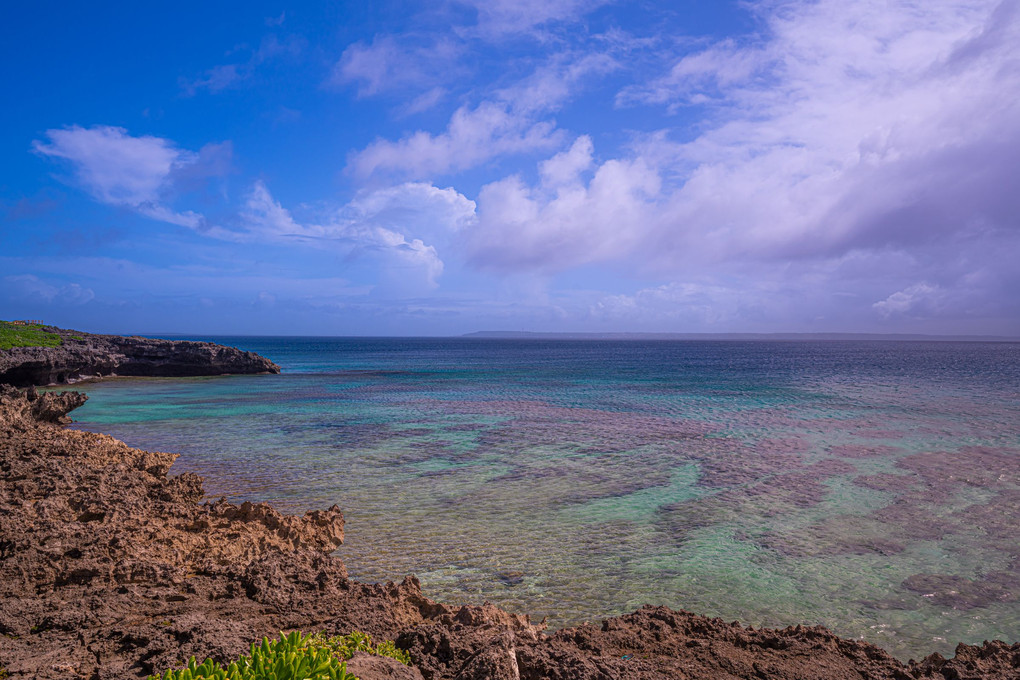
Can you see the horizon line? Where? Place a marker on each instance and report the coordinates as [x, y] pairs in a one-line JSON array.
[[639, 335]]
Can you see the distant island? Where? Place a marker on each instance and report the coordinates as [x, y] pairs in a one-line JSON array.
[[895, 337]]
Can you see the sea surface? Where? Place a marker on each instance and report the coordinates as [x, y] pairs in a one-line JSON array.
[[872, 487]]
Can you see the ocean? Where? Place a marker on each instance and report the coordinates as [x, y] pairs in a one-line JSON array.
[[872, 487]]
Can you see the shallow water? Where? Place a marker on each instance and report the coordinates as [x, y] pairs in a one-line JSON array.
[[873, 487]]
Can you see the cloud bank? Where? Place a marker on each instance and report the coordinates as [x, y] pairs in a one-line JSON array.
[[844, 128], [591, 165]]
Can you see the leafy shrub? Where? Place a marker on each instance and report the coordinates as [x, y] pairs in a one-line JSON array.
[[344, 646], [391, 650], [291, 657]]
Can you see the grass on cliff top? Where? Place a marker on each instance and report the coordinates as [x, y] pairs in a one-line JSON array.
[[33, 335], [291, 657]]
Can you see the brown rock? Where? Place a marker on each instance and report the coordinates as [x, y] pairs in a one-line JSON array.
[[370, 667]]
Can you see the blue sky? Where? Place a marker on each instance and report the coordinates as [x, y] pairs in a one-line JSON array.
[[545, 165]]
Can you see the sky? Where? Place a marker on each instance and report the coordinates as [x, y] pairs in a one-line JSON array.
[[397, 168]]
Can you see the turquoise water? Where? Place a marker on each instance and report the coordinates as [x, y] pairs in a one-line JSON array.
[[872, 487]]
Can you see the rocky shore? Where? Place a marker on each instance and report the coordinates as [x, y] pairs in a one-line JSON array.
[[84, 356], [111, 568]]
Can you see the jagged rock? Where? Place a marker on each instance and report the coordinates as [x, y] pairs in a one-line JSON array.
[[993, 659], [84, 356]]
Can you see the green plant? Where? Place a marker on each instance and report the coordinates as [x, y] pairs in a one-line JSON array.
[[3, 673], [291, 657], [32, 335], [344, 646], [391, 650]]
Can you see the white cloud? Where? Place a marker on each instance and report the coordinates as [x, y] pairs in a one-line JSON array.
[[473, 136], [390, 223], [842, 126], [565, 168], [563, 223], [419, 207], [121, 170], [864, 130], [920, 297], [509, 123], [556, 81], [425, 101], [389, 63], [264, 216], [700, 77]]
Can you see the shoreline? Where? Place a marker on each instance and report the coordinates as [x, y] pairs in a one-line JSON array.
[[112, 568]]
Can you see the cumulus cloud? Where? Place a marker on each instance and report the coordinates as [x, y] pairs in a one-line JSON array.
[[509, 123], [838, 128], [920, 296], [121, 170], [473, 136], [565, 221], [263, 215], [861, 127], [419, 207], [565, 168], [390, 223]]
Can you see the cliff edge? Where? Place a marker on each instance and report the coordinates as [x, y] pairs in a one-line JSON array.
[[79, 356]]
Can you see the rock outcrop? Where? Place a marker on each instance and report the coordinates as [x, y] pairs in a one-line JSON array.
[[83, 356], [110, 568]]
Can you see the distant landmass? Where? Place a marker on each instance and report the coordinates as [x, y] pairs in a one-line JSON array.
[[901, 337]]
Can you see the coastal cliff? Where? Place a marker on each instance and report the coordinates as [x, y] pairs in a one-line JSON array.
[[110, 568], [81, 356]]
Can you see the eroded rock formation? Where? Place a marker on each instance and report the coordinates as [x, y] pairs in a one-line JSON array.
[[83, 356]]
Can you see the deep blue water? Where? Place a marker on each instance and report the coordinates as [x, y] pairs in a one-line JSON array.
[[873, 487]]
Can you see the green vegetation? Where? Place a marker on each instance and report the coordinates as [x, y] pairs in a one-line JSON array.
[[291, 657], [344, 646], [3, 673], [29, 335]]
